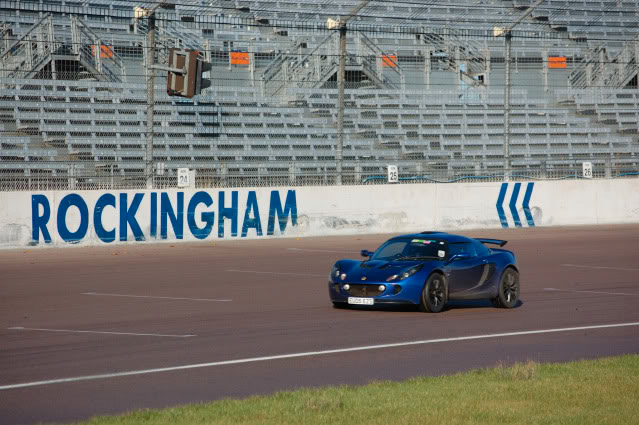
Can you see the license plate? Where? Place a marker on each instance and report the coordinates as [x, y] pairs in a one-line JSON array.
[[360, 301]]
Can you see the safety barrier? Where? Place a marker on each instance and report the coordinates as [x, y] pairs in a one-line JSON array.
[[63, 218]]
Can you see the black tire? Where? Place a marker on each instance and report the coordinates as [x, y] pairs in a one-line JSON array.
[[508, 295], [434, 295]]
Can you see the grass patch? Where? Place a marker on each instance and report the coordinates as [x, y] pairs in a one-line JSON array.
[[603, 391]]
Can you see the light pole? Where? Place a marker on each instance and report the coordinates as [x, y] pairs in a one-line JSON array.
[[507, 33], [507, 94], [339, 150], [150, 97], [149, 62], [340, 25]]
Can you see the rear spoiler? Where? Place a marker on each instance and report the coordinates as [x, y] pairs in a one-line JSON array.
[[492, 241]]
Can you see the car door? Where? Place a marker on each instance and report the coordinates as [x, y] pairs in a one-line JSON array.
[[466, 273], [487, 259]]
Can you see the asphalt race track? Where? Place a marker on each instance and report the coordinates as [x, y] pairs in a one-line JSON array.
[[253, 317]]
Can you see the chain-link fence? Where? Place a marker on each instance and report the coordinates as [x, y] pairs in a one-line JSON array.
[[437, 101], [109, 177]]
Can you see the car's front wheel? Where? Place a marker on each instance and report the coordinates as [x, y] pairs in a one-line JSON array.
[[434, 295], [508, 294]]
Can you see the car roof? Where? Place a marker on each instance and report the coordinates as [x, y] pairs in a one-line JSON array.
[[437, 235]]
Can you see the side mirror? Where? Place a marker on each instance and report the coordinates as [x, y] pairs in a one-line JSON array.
[[457, 257], [367, 253]]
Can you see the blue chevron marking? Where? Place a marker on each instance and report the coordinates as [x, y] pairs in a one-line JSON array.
[[529, 217], [513, 206], [500, 207]]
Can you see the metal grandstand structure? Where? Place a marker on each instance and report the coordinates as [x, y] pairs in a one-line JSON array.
[[424, 91]]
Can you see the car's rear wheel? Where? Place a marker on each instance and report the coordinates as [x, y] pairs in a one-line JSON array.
[[508, 295], [434, 295]]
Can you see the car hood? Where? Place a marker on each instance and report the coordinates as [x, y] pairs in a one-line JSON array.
[[378, 271]]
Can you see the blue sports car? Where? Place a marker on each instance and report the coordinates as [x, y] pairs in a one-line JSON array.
[[427, 269]]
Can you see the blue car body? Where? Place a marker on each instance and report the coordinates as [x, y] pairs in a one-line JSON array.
[[397, 272]]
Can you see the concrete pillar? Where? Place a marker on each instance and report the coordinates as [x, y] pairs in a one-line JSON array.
[[487, 69], [224, 171], [427, 65], [291, 173], [252, 63], [602, 68], [457, 67]]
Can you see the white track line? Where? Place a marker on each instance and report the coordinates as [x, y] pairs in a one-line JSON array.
[[149, 296], [290, 274], [589, 292], [20, 328], [308, 354], [600, 267], [322, 250]]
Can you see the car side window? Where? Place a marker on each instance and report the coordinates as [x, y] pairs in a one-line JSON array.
[[481, 249], [461, 248]]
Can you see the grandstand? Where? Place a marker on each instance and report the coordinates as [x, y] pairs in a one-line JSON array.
[[424, 91]]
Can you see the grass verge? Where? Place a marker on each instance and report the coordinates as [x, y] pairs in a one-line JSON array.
[[603, 391]]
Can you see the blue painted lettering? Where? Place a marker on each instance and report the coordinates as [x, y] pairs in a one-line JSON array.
[[127, 217], [275, 209], [105, 200], [177, 220], [39, 222], [163, 214], [154, 215], [224, 212], [252, 222], [207, 217], [73, 199]]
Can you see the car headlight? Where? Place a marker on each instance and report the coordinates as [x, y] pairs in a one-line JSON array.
[[335, 272], [406, 274]]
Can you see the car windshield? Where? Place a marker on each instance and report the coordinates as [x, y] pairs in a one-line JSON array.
[[412, 248]]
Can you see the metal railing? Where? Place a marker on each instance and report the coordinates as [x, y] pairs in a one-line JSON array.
[[94, 54], [170, 34], [289, 67], [373, 59], [597, 69], [5, 36], [23, 58], [457, 48]]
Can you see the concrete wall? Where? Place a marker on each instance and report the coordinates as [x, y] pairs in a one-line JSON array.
[[99, 218]]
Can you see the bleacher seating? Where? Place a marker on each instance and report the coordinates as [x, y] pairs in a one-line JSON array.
[[280, 118]]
